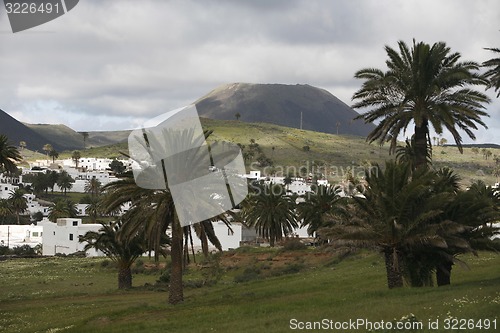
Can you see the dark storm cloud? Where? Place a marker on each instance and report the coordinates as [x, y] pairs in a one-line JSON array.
[[113, 64]]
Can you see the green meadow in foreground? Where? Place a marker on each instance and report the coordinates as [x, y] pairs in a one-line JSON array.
[[247, 290]]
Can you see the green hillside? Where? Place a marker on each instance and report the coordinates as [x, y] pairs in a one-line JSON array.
[[336, 155], [64, 136]]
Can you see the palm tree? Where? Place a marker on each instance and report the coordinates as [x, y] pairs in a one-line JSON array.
[[47, 148], [54, 154], [76, 157], [425, 86], [237, 115], [493, 73], [85, 137], [93, 186], [18, 203], [9, 155], [270, 212], [93, 209], [64, 181], [475, 210], [152, 211], [5, 208], [407, 154], [319, 208], [124, 253], [61, 209], [393, 216]]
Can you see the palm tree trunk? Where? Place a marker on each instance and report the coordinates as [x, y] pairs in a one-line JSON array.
[[176, 293], [393, 267], [124, 276], [192, 245], [204, 241], [421, 133], [443, 273]]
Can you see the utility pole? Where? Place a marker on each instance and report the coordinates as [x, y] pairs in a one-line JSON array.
[[300, 119]]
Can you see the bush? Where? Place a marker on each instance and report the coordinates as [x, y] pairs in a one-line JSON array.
[[4, 250], [288, 269], [105, 263], [164, 277], [294, 244], [249, 274], [24, 250]]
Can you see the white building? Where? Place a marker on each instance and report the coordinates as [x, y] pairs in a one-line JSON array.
[[6, 190], [19, 235], [62, 237], [34, 206]]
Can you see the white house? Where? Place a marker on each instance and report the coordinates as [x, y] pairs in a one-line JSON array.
[[34, 205], [6, 189], [62, 237], [19, 235]]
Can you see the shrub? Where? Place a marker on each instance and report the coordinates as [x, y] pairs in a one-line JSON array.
[[24, 250], [4, 250], [288, 269], [249, 274], [105, 263], [164, 277], [294, 244]]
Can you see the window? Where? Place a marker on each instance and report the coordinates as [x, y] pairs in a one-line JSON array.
[[34, 234], [75, 223], [70, 237]]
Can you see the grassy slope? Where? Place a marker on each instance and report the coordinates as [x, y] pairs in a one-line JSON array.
[[337, 152], [42, 295]]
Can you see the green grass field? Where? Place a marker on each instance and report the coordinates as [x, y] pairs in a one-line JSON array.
[[79, 295]]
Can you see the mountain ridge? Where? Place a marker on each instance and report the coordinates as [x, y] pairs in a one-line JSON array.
[[297, 106]]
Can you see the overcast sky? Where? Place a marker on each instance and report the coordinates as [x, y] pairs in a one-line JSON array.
[[110, 65]]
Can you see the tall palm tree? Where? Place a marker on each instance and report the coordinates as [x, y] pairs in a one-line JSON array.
[[75, 156], [426, 86], [61, 209], [475, 209], [493, 73], [270, 212], [9, 155], [320, 205], [153, 209], [18, 203], [93, 209], [85, 137], [93, 186], [47, 148], [393, 217], [5, 208], [124, 253], [65, 182], [54, 154]]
